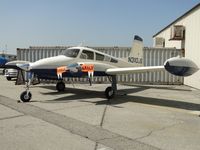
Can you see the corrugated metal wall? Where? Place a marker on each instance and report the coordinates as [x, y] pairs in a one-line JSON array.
[[152, 57]]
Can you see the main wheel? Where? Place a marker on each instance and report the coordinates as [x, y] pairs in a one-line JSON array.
[[60, 86], [26, 97], [109, 92]]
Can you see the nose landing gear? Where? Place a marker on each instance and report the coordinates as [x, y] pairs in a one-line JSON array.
[[26, 95]]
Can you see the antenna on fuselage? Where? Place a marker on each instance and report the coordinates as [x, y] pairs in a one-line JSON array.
[[81, 44]]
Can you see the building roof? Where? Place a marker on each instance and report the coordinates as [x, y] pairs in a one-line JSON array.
[[181, 17], [5, 54]]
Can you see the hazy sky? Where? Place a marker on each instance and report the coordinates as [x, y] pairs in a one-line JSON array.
[[25, 23]]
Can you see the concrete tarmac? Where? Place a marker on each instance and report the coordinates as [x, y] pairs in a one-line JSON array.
[[139, 117]]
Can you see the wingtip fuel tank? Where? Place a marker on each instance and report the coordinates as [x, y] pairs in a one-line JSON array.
[[180, 66]]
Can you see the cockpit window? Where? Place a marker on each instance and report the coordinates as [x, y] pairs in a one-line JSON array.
[[71, 53], [87, 55]]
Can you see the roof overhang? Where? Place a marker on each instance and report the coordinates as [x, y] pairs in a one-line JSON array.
[[181, 17]]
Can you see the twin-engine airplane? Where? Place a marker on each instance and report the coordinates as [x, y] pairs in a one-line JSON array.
[[87, 62]]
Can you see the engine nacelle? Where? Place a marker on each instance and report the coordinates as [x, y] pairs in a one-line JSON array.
[[74, 68], [180, 66]]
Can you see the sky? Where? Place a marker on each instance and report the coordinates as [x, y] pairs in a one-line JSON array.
[[25, 23]]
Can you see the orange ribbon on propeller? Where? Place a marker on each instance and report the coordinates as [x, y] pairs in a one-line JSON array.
[[87, 68], [61, 70]]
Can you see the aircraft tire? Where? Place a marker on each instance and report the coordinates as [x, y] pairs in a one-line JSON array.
[[109, 92], [24, 97], [60, 86], [8, 78]]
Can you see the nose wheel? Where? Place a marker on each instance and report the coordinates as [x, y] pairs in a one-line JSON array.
[[26, 96]]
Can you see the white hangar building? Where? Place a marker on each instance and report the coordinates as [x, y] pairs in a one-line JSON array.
[[184, 33]]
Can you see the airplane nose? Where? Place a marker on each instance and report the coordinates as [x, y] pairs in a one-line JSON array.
[[50, 63]]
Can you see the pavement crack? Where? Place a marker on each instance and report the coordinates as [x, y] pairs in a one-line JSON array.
[[103, 116], [108, 138], [157, 130], [102, 121], [6, 118], [96, 145]]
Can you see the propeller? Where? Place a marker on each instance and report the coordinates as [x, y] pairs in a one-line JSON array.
[[25, 67]]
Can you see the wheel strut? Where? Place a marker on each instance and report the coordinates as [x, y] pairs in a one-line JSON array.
[[26, 95], [111, 90]]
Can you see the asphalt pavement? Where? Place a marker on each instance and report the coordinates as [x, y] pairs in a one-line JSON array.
[[139, 117]]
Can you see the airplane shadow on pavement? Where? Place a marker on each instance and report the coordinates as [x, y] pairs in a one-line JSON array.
[[85, 95]]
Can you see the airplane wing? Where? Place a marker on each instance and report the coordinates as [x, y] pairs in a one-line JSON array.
[[130, 70]]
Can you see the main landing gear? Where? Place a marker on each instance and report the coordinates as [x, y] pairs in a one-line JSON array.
[[111, 90], [60, 86]]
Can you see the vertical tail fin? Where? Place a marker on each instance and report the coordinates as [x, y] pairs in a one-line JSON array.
[[136, 53]]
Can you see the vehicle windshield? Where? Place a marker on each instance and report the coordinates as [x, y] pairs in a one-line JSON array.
[[71, 52]]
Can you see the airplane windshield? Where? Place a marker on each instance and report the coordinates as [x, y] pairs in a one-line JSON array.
[[71, 52]]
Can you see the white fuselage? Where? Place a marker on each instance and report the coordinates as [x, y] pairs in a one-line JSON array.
[[101, 61]]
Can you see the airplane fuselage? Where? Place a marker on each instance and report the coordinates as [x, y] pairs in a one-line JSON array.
[[47, 67]]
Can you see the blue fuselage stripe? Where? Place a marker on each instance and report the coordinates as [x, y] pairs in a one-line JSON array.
[[52, 74]]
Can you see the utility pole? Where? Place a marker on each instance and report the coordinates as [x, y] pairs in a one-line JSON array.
[[5, 49]]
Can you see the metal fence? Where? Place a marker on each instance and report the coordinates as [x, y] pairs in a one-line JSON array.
[[151, 57]]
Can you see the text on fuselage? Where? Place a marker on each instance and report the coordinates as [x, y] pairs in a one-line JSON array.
[[135, 60]]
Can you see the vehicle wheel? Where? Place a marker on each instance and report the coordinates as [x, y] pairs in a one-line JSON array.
[[25, 97], [8, 78], [109, 92], [60, 86]]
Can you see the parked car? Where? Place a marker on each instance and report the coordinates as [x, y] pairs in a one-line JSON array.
[[2, 71], [10, 73]]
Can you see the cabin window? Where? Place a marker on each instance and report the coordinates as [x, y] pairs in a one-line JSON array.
[[99, 57], [87, 55], [71, 53], [113, 60], [107, 58]]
